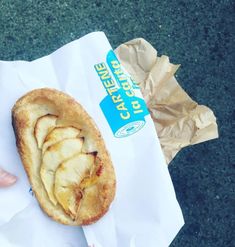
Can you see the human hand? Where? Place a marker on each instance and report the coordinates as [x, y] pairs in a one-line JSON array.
[[6, 179]]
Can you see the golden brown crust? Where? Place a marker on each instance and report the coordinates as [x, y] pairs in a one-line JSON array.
[[50, 101]]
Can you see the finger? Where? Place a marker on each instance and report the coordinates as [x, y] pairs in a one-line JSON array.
[[6, 179]]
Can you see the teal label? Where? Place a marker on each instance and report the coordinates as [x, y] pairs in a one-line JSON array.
[[124, 111]]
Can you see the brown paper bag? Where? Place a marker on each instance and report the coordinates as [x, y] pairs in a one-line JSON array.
[[179, 120]]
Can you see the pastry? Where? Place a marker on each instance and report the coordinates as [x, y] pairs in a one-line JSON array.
[[64, 155]]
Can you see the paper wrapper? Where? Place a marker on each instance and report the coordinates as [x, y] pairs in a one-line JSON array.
[[145, 211], [179, 120]]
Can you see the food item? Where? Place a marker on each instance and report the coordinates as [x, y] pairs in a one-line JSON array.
[[65, 157], [53, 157], [43, 126], [68, 175], [59, 134]]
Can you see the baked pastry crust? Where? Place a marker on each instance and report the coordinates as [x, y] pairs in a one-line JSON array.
[[98, 195]]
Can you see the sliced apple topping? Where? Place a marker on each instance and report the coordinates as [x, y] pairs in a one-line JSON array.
[[53, 157], [59, 134], [43, 126], [68, 178], [69, 165], [89, 145]]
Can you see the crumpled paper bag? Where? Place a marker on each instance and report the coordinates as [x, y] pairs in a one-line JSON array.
[[179, 120]]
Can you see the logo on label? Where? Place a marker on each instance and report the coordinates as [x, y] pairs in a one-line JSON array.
[[124, 111]]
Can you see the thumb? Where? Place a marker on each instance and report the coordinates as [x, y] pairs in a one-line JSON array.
[[6, 179]]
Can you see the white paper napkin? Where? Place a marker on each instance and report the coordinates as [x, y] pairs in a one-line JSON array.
[[145, 211]]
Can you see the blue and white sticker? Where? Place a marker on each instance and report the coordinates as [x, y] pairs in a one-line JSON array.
[[124, 111]]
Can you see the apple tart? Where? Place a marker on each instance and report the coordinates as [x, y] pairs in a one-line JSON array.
[[65, 157]]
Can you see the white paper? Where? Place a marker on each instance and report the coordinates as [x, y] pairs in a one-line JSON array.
[[145, 211]]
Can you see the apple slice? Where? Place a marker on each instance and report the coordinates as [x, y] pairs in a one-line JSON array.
[[43, 126], [89, 146], [59, 134], [53, 157], [68, 178]]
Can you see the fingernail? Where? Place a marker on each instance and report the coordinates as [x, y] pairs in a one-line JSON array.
[[6, 179]]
